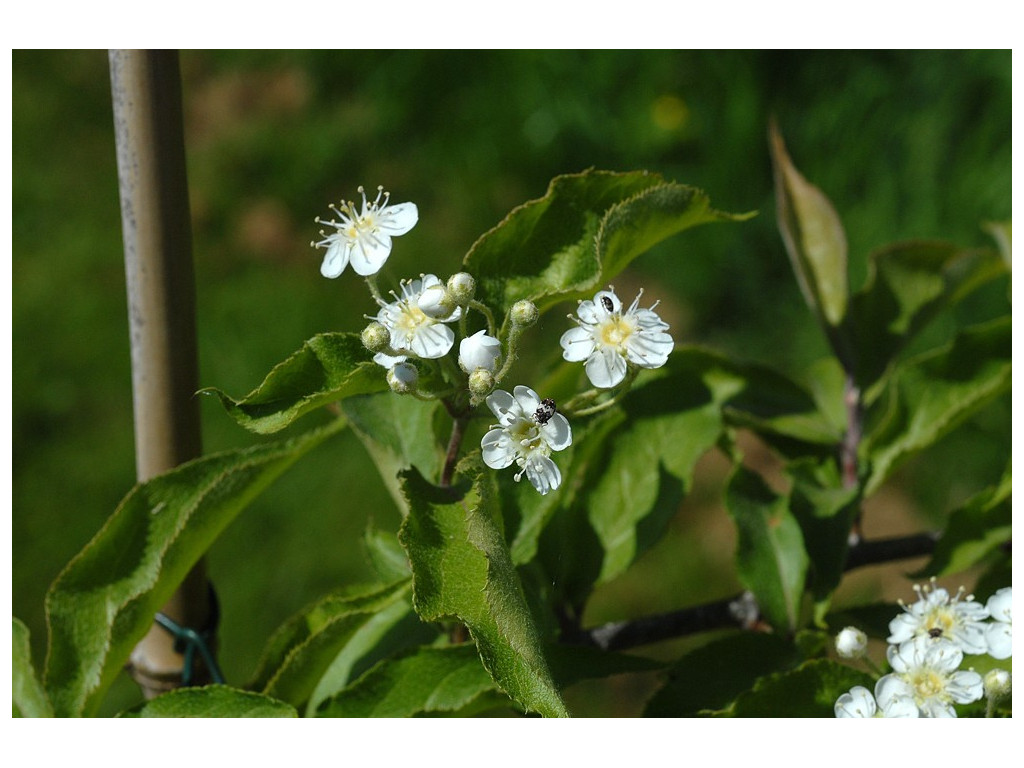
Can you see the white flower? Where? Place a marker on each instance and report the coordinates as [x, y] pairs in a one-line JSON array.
[[925, 670], [479, 351], [364, 237], [412, 331], [607, 337], [859, 702], [851, 643], [999, 632], [528, 430], [936, 614]]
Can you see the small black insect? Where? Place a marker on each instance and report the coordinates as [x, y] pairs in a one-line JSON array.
[[934, 632], [547, 409], [607, 304]]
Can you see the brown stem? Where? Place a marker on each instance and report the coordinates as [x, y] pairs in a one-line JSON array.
[[733, 612], [454, 444]]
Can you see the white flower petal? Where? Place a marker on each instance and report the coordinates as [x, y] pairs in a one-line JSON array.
[[543, 474], [557, 432], [605, 368], [528, 400], [432, 341], [498, 449], [965, 686], [857, 702], [999, 639], [388, 361], [649, 350], [892, 687], [399, 218], [577, 344], [901, 706], [1000, 605], [588, 313], [503, 405], [335, 260], [369, 253]]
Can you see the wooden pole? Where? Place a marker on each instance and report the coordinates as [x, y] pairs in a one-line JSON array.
[[146, 90]]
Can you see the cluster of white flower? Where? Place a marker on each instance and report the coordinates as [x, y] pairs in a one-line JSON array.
[[417, 326], [928, 641]]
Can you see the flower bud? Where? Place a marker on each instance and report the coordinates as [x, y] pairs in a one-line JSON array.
[[403, 378], [435, 302], [375, 337], [479, 351], [997, 684], [481, 382], [462, 288], [524, 313], [851, 643]]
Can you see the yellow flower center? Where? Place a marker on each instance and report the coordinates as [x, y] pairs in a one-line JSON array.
[[927, 683], [615, 332]]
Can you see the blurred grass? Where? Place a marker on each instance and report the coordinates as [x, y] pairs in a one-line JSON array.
[[906, 144]]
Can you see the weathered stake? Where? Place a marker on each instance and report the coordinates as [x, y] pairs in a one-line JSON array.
[[146, 90]]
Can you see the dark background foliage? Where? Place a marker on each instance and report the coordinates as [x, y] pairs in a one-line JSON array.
[[906, 144]]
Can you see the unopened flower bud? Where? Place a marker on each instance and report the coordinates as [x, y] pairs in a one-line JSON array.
[[479, 351], [375, 337], [481, 382], [851, 643], [462, 288], [403, 378], [997, 684], [435, 302], [524, 313]]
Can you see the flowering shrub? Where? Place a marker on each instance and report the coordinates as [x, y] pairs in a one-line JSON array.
[[481, 596]]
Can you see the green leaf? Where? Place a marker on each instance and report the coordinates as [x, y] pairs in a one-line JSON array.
[[29, 697], [329, 367], [398, 433], [415, 682], [908, 285], [104, 601], [212, 701], [462, 569], [974, 531], [637, 224], [930, 395], [770, 559], [669, 424], [625, 480], [1002, 233], [544, 250], [302, 650], [825, 511], [391, 630], [712, 676], [572, 663], [386, 556], [810, 690], [814, 237]]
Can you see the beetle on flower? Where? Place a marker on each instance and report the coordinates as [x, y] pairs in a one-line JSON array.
[[527, 432], [608, 338]]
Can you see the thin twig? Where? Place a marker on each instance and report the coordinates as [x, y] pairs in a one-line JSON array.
[[732, 612]]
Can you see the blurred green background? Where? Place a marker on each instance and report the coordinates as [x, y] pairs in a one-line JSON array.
[[906, 144]]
